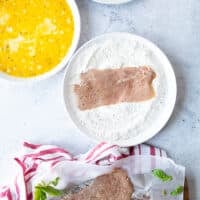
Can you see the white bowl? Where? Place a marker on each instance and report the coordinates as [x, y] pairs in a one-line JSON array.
[[60, 66], [112, 1], [163, 115]]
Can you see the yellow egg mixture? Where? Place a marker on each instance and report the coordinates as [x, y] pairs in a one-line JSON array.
[[35, 35]]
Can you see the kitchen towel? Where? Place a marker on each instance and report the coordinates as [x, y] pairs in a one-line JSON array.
[[33, 156]]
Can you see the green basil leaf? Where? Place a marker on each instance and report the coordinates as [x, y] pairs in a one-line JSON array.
[[51, 191], [54, 182], [160, 174], [39, 195], [43, 189], [43, 196], [177, 191]]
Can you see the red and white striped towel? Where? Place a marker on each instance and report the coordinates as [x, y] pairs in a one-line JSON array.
[[35, 155]]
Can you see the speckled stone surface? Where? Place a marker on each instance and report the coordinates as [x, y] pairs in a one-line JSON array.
[[35, 112]]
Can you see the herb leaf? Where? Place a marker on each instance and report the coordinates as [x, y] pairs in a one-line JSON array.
[[160, 174], [39, 195], [51, 191], [54, 182], [43, 189], [177, 191]]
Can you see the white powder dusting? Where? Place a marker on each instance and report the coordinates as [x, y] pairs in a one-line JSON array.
[[125, 120]]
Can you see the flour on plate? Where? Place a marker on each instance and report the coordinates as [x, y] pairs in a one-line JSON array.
[[125, 120]]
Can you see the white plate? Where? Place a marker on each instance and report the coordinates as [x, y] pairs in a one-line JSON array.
[[164, 114], [60, 66], [112, 1]]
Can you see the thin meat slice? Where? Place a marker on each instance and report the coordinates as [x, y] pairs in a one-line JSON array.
[[112, 86], [113, 186]]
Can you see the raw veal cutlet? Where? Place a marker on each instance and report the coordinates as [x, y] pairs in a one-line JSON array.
[[113, 186], [112, 86]]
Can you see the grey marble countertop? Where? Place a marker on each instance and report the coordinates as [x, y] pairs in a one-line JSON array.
[[35, 112]]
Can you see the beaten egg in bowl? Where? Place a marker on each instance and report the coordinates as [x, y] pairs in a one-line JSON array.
[[35, 36]]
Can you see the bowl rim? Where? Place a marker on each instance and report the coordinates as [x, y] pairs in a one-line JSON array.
[[147, 134], [77, 31]]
